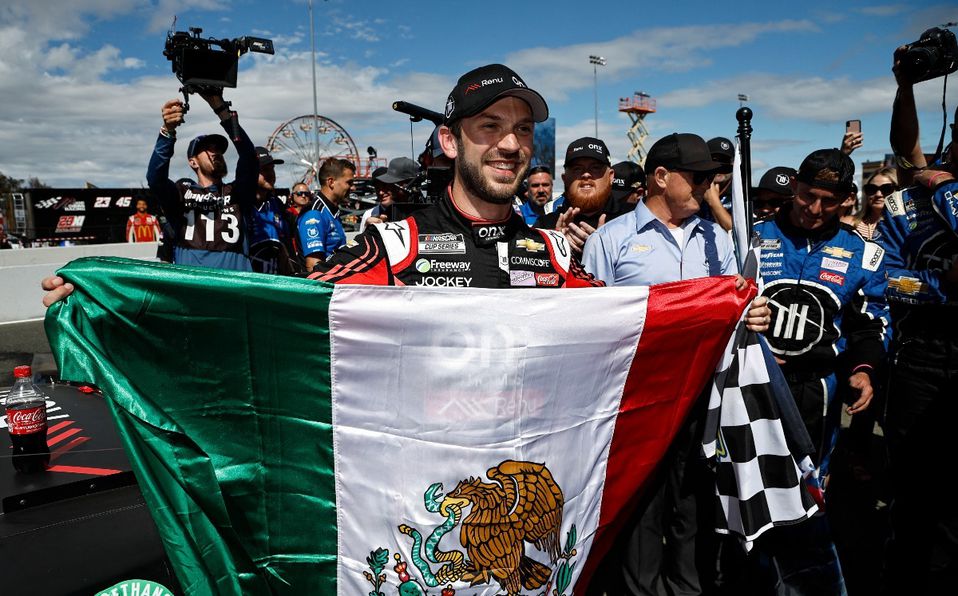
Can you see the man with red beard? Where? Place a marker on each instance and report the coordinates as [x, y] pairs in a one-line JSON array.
[[588, 184]]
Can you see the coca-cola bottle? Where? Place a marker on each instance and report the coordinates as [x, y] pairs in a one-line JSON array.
[[27, 422]]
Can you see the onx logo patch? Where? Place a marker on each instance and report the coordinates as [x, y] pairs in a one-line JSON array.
[[799, 316]]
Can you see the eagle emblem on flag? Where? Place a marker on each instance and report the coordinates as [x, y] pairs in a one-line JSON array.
[[522, 504]]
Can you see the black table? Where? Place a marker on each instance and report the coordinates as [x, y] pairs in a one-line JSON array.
[[81, 526]]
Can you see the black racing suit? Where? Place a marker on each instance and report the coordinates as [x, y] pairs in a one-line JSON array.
[[441, 246]]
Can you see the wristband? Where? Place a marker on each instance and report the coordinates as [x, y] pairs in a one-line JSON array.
[[170, 134], [865, 368], [931, 181]]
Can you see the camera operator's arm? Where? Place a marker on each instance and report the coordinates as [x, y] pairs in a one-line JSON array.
[[158, 170], [247, 167], [904, 127]]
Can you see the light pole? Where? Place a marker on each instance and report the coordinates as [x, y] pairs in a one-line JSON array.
[[596, 62], [312, 42]]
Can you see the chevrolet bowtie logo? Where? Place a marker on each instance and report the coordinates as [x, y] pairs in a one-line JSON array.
[[838, 253]]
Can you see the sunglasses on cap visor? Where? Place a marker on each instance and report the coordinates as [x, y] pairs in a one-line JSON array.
[[699, 177], [886, 189]]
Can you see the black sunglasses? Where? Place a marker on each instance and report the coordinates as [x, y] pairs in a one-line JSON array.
[[886, 189], [303, 193], [699, 177]]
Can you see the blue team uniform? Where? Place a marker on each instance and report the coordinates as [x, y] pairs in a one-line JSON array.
[[919, 231], [829, 317], [320, 231]]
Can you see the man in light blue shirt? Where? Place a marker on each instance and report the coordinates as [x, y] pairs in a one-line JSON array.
[[663, 240]]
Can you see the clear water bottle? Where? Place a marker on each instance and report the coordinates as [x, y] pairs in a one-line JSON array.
[[27, 422]]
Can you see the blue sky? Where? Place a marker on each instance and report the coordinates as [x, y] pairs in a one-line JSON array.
[[82, 81]]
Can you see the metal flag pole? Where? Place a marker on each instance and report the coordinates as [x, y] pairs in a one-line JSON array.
[[312, 42], [744, 117]]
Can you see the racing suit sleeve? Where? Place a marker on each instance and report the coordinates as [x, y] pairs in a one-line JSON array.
[[598, 259], [130, 235], [365, 262], [578, 277], [158, 176], [866, 323], [915, 286]]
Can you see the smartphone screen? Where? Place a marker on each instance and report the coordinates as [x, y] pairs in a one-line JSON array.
[[853, 126]]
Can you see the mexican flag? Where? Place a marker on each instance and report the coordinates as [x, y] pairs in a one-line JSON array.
[[292, 437]]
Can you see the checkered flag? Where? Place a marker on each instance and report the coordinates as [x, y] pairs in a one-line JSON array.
[[764, 475], [756, 439]]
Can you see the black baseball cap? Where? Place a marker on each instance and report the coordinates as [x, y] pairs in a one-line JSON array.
[[627, 175], [265, 158], [480, 88], [723, 152], [828, 159], [681, 151], [400, 169], [588, 147], [197, 144], [777, 180]]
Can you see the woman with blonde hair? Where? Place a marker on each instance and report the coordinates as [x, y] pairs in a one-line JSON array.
[[878, 186]]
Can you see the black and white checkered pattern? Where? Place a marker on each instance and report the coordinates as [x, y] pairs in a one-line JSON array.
[[754, 434], [760, 448]]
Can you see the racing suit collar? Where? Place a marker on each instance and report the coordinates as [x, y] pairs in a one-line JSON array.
[[322, 200], [826, 232], [483, 231]]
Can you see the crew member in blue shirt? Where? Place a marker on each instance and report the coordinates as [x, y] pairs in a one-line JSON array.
[[320, 231]]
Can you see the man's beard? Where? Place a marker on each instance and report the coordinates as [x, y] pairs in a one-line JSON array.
[[591, 203], [475, 183]]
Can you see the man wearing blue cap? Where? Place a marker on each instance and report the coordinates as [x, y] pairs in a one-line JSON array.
[[208, 216]]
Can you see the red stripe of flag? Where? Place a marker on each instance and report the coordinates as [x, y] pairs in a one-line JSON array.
[[681, 343]]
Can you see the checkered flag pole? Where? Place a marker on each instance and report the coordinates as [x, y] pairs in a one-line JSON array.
[[755, 437]]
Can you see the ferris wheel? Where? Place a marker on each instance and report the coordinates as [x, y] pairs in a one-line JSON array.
[[304, 142]]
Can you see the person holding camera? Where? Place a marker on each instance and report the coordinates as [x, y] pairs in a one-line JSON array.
[[209, 217], [391, 187], [919, 231]]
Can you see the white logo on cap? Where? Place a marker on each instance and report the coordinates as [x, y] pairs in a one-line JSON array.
[[517, 82], [781, 179], [725, 145], [450, 106]]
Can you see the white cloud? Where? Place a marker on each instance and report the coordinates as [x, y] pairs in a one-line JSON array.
[[556, 71], [887, 10], [165, 10], [809, 98]]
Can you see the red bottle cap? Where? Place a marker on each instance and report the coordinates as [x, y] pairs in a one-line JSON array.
[[22, 371]]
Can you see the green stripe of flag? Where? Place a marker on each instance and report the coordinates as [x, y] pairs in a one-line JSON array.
[[247, 413]]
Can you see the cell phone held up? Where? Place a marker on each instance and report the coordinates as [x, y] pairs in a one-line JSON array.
[[853, 126]]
